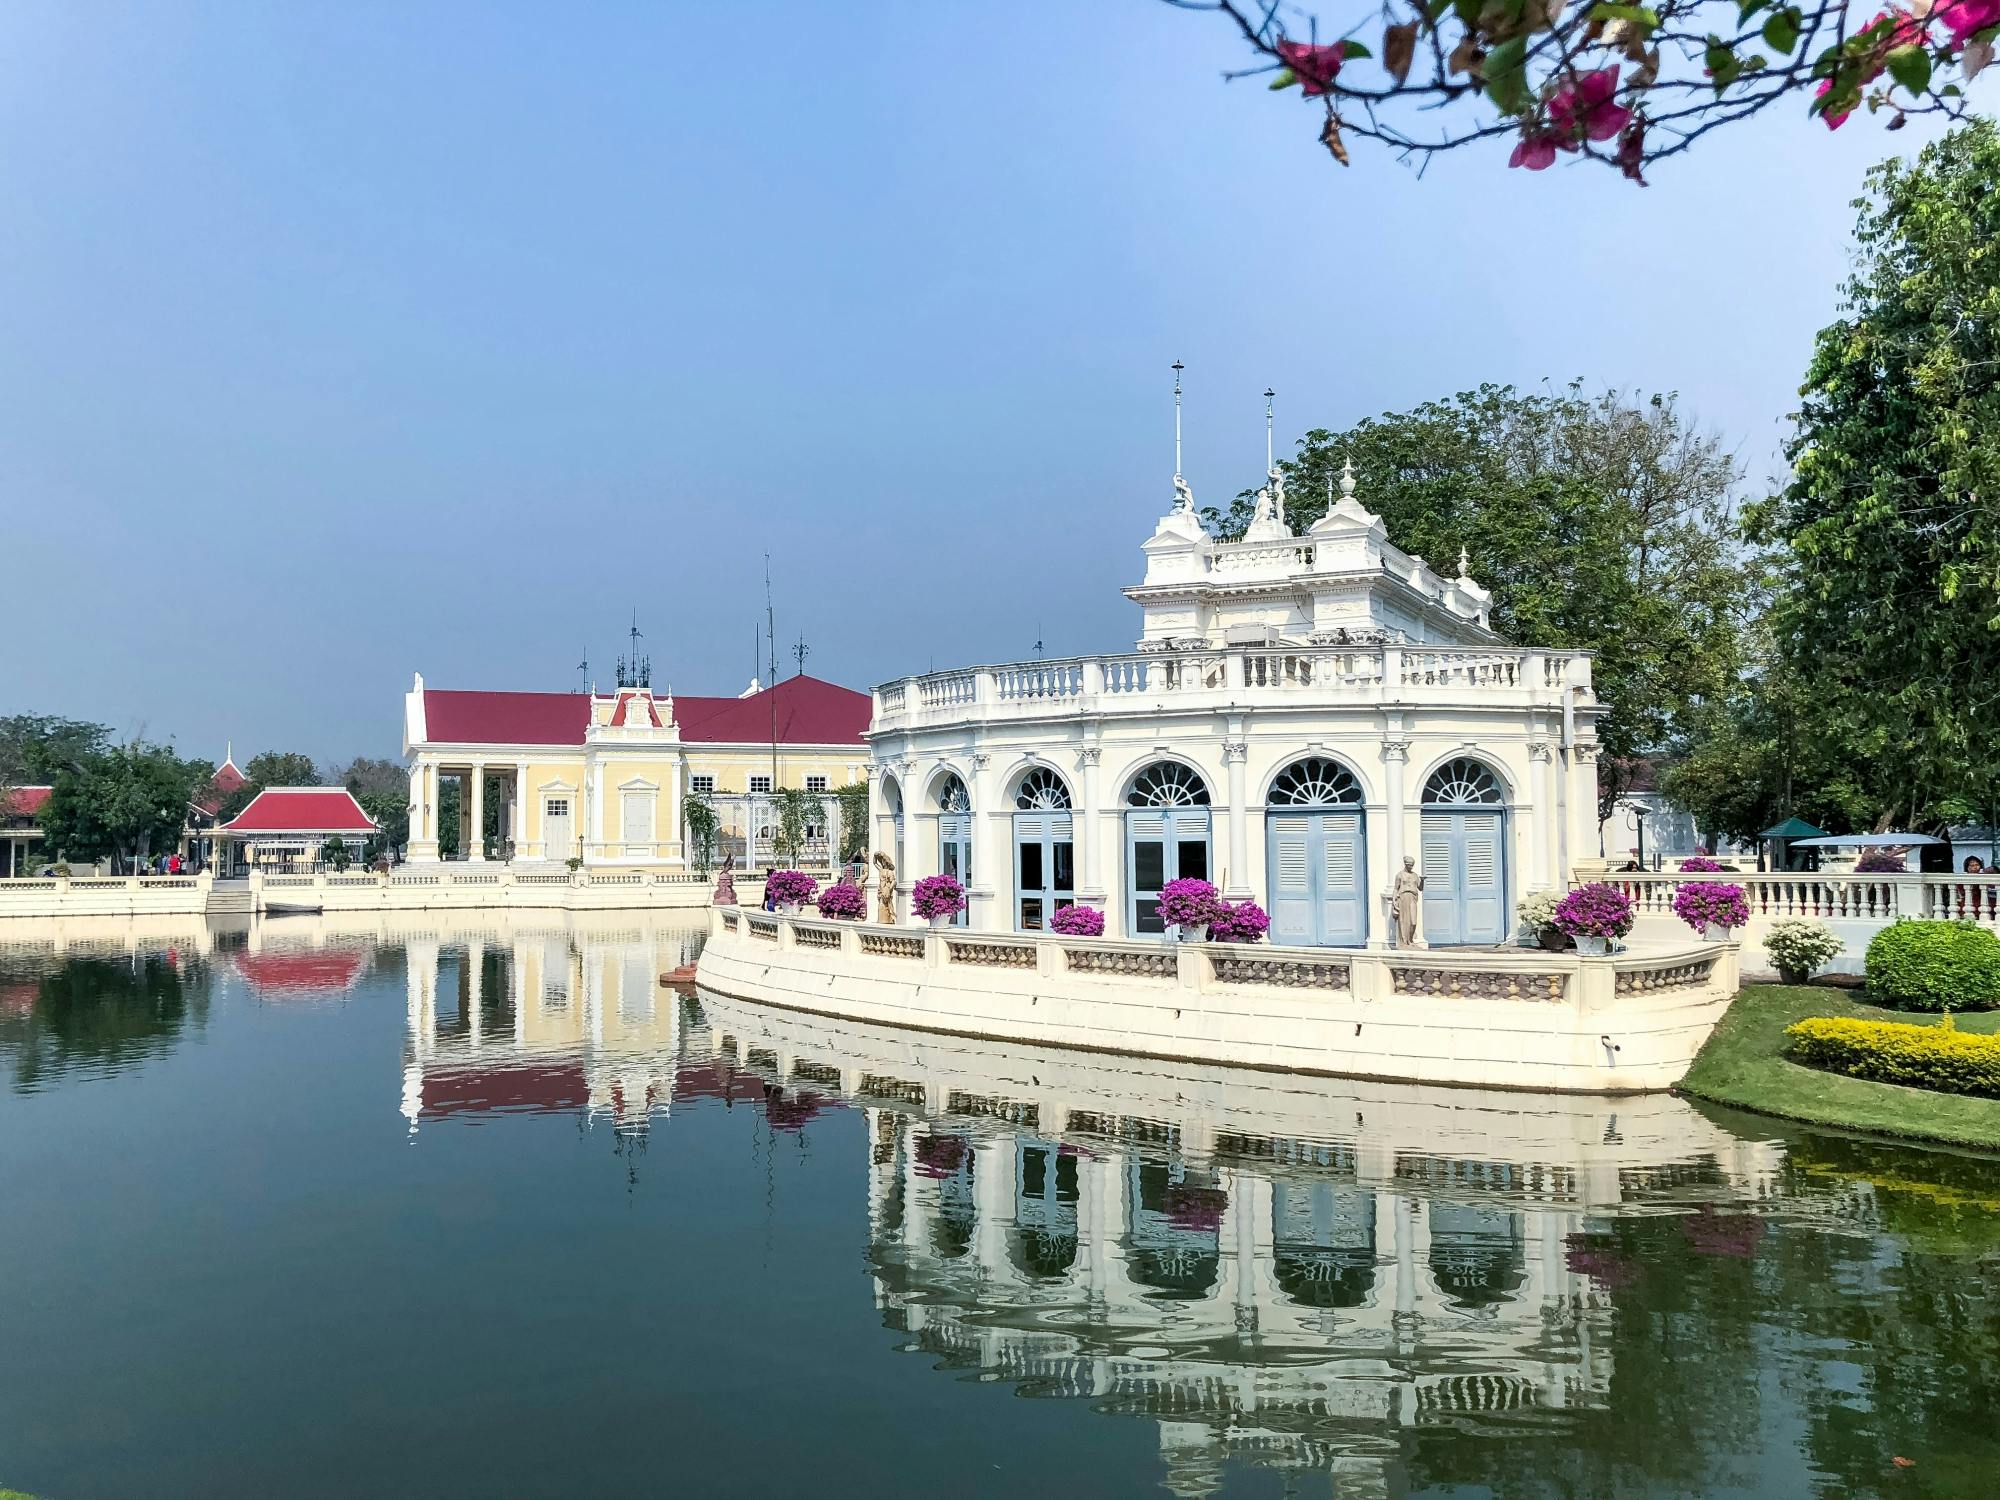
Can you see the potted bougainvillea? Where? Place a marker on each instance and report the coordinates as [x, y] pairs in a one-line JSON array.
[[1700, 864], [1711, 908], [788, 890], [1188, 906], [937, 899], [1240, 922], [842, 901], [1593, 915], [1078, 921], [1880, 862]]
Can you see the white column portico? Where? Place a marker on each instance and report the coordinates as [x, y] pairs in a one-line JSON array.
[[474, 848], [1235, 751]]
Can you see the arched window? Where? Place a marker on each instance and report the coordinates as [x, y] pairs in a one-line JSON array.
[[892, 796], [952, 796], [1315, 782], [1042, 791], [955, 835], [1463, 783], [1167, 783]]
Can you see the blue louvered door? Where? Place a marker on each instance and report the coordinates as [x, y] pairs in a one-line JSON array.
[[1318, 879], [1465, 877], [1161, 844], [955, 855]]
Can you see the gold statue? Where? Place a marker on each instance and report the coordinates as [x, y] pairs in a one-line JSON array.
[[1406, 900], [885, 889]]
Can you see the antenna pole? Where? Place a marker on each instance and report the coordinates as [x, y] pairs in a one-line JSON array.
[[1270, 453], [1177, 367], [771, 635]]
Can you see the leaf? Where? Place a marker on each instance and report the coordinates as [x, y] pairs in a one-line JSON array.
[[1745, 9], [1506, 75], [1638, 15], [1329, 137], [1910, 65], [1285, 79], [1781, 29], [1399, 47], [1723, 64], [1354, 49]]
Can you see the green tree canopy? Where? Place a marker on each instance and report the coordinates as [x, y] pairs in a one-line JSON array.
[[1597, 521], [283, 768], [130, 800], [33, 747], [1888, 610]]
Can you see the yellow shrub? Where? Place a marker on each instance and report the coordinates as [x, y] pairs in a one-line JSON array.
[[1922, 1057]]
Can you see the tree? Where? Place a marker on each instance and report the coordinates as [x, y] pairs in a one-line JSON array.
[[1888, 607], [703, 827], [127, 801], [798, 812], [1625, 85], [852, 799], [282, 768], [33, 747], [382, 787], [1601, 522]]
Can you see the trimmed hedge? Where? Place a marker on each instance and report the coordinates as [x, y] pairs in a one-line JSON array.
[[1920, 1057], [1935, 966]]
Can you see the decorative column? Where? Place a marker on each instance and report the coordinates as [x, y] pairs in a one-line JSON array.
[[992, 852], [420, 844], [1083, 828], [475, 851], [475, 990], [1582, 830], [1540, 754], [1235, 752], [1395, 754], [517, 823]]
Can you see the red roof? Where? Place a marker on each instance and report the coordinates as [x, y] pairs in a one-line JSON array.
[[809, 712], [24, 801], [302, 809], [525, 1087], [220, 785], [301, 974]]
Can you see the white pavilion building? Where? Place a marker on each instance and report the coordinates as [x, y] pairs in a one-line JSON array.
[[1301, 712]]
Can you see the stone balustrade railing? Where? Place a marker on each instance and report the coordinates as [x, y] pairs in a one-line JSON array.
[[1137, 681], [1556, 979], [1828, 896]]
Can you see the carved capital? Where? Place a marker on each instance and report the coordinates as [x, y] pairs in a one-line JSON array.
[[1541, 750], [1235, 751], [1089, 755], [1395, 749], [1585, 752], [980, 761]]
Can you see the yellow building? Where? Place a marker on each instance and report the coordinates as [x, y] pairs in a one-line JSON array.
[[604, 776]]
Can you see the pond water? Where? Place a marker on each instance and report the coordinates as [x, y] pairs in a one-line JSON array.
[[415, 1206]]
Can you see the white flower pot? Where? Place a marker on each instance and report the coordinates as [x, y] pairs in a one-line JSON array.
[[938, 924], [1715, 932], [1176, 933], [1592, 947], [789, 908]]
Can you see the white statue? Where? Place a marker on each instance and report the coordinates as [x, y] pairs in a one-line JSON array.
[[1406, 900]]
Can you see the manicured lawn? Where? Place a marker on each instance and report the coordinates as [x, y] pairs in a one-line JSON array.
[[1744, 1065]]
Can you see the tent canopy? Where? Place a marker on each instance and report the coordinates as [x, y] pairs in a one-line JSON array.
[[1792, 828], [1868, 841]]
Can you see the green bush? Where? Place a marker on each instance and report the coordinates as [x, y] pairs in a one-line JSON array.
[[1922, 1057], [1935, 966]]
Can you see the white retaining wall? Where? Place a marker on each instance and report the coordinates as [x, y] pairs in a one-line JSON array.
[[1530, 1020]]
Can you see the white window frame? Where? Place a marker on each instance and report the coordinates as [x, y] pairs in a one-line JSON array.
[[761, 785]]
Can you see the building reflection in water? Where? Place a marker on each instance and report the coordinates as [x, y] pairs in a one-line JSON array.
[[1286, 1272]]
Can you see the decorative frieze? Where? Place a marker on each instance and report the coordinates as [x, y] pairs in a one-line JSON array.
[[1478, 984], [1294, 973]]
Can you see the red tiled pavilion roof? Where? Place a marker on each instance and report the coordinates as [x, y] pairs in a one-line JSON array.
[[808, 712], [24, 801], [302, 809], [300, 974]]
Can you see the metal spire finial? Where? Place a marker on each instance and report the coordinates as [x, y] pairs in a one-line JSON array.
[[1270, 456], [1177, 368]]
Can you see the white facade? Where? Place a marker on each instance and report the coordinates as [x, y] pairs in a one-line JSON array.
[[1300, 714]]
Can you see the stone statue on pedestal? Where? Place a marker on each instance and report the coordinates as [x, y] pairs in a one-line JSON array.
[[1406, 900], [725, 883], [885, 889]]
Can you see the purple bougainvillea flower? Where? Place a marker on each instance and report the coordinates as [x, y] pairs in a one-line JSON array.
[[1585, 108], [1316, 67], [1535, 152]]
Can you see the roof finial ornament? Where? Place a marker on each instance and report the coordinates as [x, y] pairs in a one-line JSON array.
[[1347, 478], [1270, 452], [1464, 563], [1183, 496]]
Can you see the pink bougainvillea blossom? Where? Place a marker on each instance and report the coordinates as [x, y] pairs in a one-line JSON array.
[[1834, 118], [1585, 107], [1316, 66], [1966, 18], [1535, 152]]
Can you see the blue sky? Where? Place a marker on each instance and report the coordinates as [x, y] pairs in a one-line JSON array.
[[339, 341]]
